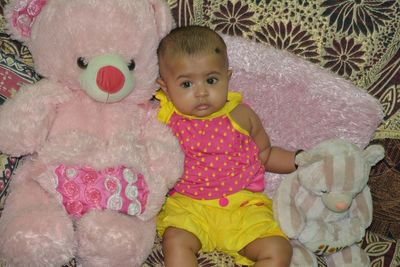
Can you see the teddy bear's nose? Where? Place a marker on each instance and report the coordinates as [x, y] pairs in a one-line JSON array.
[[341, 206], [110, 79]]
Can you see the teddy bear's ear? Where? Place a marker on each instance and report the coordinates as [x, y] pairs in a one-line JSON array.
[[308, 157], [373, 154], [21, 15], [163, 17], [302, 158]]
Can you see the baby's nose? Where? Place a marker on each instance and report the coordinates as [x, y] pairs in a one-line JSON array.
[[202, 90]]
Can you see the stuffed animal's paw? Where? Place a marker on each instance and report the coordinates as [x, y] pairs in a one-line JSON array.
[[352, 256], [108, 238], [41, 237], [302, 256], [327, 238]]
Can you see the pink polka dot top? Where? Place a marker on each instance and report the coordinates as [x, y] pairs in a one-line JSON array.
[[220, 157]]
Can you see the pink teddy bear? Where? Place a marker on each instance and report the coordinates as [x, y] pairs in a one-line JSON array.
[[99, 163]]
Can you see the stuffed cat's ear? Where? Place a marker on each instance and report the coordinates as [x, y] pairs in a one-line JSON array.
[[373, 154]]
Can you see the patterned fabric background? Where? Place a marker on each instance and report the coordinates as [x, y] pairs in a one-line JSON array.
[[356, 39]]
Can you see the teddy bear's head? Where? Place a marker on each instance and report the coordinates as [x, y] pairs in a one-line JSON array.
[[337, 170], [105, 47]]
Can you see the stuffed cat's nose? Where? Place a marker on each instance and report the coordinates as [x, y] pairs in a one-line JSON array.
[[341, 206], [110, 79]]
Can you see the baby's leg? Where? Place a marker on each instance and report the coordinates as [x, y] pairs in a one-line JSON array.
[[180, 247], [269, 251]]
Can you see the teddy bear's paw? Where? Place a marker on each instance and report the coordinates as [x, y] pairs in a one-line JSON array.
[[352, 256], [39, 237], [109, 238], [302, 256], [323, 237], [311, 233]]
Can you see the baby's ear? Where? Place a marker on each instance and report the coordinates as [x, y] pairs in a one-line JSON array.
[[230, 71], [162, 85]]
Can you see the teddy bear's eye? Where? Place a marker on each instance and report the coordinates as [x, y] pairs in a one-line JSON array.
[[82, 62], [131, 65]]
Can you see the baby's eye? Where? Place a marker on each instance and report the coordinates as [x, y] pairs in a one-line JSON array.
[[186, 84], [324, 191], [212, 80]]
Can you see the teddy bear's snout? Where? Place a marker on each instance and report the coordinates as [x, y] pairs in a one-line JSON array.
[[337, 202], [110, 79], [107, 78], [341, 206]]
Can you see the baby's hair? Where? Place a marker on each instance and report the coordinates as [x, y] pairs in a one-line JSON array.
[[192, 40]]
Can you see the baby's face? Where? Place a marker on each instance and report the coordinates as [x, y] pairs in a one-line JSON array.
[[196, 84]]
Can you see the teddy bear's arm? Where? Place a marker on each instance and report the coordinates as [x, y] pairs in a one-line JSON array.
[[26, 118], [165, 156], [361, 209], [164, 159], [286, 210]]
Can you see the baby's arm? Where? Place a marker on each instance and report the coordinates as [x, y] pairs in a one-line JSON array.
[[275, 159]]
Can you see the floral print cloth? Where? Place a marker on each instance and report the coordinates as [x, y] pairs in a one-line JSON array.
[[83, 189]]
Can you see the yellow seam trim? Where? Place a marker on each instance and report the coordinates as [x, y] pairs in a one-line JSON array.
[[237, 126]]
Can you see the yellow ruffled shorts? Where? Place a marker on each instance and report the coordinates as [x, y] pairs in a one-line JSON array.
[[247, 217]]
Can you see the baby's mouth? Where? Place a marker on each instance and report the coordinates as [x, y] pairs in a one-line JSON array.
[[202, 107]]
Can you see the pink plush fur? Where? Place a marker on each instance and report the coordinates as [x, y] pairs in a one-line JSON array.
[[57, 123]]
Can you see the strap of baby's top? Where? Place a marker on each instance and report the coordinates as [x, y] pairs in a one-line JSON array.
[[166, 107]]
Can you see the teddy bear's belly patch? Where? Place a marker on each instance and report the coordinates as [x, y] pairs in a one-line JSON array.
[[82, 188]]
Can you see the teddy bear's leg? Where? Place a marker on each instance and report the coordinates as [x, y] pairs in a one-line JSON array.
[[302, 256], [352, 256], [108, 238], [34, 229]]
